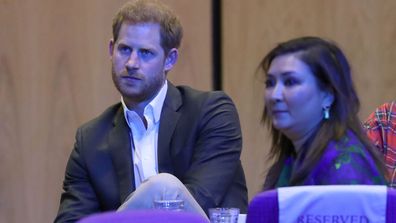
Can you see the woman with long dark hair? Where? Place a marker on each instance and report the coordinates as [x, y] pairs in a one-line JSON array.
[[311, 110]]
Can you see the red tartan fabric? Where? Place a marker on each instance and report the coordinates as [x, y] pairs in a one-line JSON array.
[[381, 129]]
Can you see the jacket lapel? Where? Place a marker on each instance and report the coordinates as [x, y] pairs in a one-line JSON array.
[[120, 149], [168, 121]]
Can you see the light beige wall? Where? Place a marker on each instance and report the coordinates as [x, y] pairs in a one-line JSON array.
[[365, 29], [54, 75]]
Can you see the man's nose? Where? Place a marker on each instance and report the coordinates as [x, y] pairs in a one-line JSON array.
[[133, 61]]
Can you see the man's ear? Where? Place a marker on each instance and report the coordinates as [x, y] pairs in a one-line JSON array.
[[171, 59], [111, 47]]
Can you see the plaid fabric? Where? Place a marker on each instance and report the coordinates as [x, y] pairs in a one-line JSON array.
[[381, 129]]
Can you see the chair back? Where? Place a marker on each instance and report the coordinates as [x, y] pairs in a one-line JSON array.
[[144, 216], [331, 203]]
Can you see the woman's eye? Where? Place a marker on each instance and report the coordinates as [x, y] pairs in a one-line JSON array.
[[269, 83], [291, 82]]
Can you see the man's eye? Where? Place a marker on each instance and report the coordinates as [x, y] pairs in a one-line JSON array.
[[145, 52], [124, 49]]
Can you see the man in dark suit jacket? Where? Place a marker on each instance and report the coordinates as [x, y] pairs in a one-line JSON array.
[[198, 139]]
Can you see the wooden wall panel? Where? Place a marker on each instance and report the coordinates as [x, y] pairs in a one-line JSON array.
[[55, 75], [364, 29]]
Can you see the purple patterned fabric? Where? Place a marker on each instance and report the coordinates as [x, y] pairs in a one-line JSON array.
[[343, 162]]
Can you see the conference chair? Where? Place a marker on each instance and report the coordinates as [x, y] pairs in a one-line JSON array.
[[330, 203]]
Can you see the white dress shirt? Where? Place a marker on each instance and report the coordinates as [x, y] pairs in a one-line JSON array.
[[144, 141]]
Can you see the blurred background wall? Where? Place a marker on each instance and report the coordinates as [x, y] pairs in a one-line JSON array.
[[55, 75]]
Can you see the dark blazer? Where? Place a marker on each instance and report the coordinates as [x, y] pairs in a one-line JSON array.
[[199, 142]]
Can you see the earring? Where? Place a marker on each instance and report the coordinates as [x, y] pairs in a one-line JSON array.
[[326, 113]]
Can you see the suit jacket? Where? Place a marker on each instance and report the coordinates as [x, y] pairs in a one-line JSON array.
[[199, 141]]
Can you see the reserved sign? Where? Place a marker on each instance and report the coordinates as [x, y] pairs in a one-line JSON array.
[[332, 204], [333, 219]]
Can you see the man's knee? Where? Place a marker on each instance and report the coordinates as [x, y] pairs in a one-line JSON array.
[[161, 182], [166, 180]]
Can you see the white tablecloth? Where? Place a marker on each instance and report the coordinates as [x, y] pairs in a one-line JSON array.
[[241, 218]]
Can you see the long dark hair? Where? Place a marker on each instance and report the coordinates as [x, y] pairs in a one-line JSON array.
[[332, 71]]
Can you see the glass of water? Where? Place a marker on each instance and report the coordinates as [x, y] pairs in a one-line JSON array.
[[169, 205], [223, 215]]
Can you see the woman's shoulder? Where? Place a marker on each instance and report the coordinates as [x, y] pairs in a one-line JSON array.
[[349, 145], [347, 161]]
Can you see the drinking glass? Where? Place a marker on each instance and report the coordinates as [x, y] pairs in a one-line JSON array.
[[223, 215], [169, 205]]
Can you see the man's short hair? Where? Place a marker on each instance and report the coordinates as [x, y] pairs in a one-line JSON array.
[[151, 11]]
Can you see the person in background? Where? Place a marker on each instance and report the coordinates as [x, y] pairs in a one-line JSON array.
[[160, 141], [381, 130], [311, 111]]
